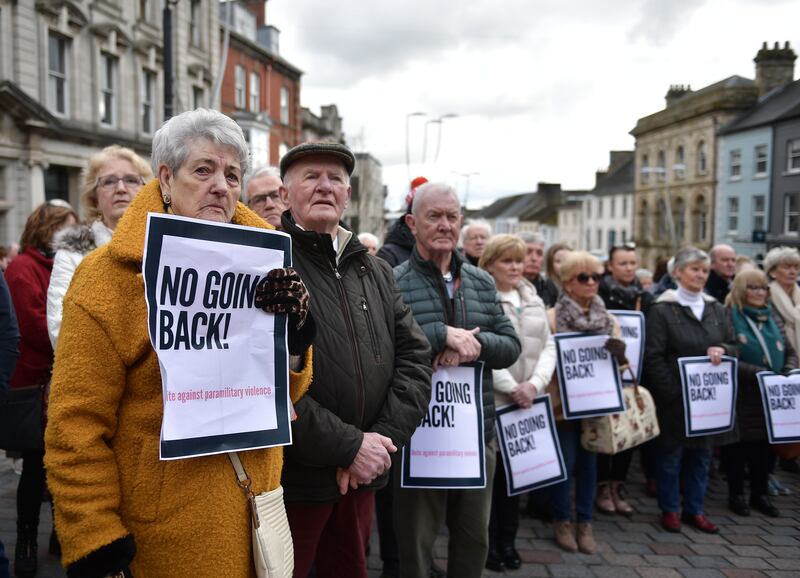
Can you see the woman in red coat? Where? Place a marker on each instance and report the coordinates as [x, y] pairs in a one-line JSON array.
[[28, 277]]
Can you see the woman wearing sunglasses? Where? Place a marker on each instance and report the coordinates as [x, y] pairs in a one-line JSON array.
[[579, 309], [683, 322], [763, 346]]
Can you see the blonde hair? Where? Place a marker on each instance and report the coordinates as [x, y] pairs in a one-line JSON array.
[[577, 261], [96, 164], [498, 246], [736, 296]]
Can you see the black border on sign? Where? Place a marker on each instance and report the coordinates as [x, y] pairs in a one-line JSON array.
[[682, 363], [639, 315], [768, 414], [619, 408], [158, 226], [511, 490], [409, 482]]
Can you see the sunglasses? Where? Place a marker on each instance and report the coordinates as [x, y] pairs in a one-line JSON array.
[[583, 278]]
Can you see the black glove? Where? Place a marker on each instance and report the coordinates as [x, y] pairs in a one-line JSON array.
[[616, 347], [109, 560], [283, 291]]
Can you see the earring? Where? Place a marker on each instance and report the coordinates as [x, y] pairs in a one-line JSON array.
[[167, 199]]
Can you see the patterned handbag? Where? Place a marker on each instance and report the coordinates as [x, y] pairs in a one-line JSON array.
[[612, 434]]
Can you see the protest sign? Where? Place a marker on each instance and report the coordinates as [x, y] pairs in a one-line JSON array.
[[588, 376], [632, 326], [780, 395], [446, 450], [709, 394], [224, 366], [529, 446]]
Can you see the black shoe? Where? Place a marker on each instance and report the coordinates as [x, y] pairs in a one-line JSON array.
[[764, 505], [511, 558], [494, 562], [790, 466], [26, 553], [738, 505]]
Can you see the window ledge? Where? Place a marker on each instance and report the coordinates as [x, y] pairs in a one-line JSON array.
[[790, 173], [760, 176], [735, 179]]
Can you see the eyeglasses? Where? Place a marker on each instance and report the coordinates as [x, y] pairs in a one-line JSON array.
[[584, 278], [110, 182], [759, 288], [261, 200]]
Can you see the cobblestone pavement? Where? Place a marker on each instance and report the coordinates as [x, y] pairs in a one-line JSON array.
[[746, 547]]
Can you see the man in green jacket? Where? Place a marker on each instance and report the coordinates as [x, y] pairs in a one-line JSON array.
[[456, 305]]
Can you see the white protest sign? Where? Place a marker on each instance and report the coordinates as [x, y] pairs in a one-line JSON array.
[[632, 327], [588, 376], [780, 395], [529, 445], [224, 366], [709, 394], [447, 450]]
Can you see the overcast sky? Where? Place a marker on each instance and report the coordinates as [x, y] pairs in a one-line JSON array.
[[543, 89]]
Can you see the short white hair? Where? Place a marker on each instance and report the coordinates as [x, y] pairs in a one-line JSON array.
[[368, 237], [475, 223], [271, 171], [430, 188], [781, 256], [688, 255]]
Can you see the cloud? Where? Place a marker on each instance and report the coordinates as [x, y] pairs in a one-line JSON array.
[[660, 20]]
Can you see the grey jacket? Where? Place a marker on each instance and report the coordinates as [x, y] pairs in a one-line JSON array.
[[475, 304]]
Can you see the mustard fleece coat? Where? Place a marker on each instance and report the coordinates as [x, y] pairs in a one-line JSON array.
[[188, 517]]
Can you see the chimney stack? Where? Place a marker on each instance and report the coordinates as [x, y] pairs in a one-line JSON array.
[[676, 92], [774, 67]]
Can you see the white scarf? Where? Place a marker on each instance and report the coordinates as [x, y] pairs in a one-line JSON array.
[[693, 301], [789, 309]]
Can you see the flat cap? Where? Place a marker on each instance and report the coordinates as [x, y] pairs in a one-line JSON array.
[[333, 149]]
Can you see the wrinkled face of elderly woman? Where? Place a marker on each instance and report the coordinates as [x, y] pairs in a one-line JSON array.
[[208, 183], [693, 276]]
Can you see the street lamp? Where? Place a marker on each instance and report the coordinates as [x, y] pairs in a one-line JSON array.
[[467, 176], [408, 159], [438, 136]]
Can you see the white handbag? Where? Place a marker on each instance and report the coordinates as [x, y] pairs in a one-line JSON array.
[[273, 552]]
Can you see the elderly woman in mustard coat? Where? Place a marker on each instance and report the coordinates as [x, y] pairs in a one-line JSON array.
[[120, 510]]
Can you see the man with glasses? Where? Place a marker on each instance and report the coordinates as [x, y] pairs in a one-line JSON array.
[[263, 195]]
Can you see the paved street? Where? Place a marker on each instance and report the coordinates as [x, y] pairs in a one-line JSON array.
[[750, 547]]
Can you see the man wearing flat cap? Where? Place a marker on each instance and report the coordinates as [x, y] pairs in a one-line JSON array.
[[371, 382]]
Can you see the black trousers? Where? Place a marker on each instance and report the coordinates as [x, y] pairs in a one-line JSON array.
[[384, 514], [614, 468], [30, 489], [757, 457], [504, 520]]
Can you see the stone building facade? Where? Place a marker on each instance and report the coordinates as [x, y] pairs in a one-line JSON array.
[[607, 211], [79, 75], [364, 213]]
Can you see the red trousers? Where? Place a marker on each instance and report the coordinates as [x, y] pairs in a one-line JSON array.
[[332, 535]]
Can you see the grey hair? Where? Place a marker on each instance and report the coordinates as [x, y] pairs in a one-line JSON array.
[[268, 170], [717, 248], [643, 273], [533, 238], [474, 223], [429, 188], [370, 236], [687, 255], [171, 142], [781, 256]]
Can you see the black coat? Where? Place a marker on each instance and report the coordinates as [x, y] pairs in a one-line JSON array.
[[371, 365], [717, 287], [397, 245], [9, 336], [673, 331], [547, 290], [631, 298]]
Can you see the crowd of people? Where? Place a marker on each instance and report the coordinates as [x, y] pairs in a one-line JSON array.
[[367, 325]]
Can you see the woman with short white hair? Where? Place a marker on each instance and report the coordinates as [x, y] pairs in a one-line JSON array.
[[782, 265]]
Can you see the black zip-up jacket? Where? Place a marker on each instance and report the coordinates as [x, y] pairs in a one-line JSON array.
[[371, 365], [475, 303]]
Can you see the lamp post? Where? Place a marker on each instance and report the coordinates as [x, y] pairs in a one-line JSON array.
[[408, 154], [437, 121], [467, 176]]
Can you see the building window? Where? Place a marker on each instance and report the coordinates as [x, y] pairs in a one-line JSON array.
[[645, 170], [661, 168], [661, 221], [791, 214], [600, 208], [195, 18], [57, 74], [679, 220], [56, 183], [284, 105], [761, 160], [736, 164], [680, 167], [239, 88], [108, 73], [793, 156], [700, 220], [612, 238], [702, 160], [198, 97], [759, 212], [255, 92], [624, 207], [613, 209], [145, 12], [599, 238], [148, 101], [733, 214], [644, 222], [624, 236], [588, 209]]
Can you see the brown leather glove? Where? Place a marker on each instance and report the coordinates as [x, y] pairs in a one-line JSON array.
[[616, 347]]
